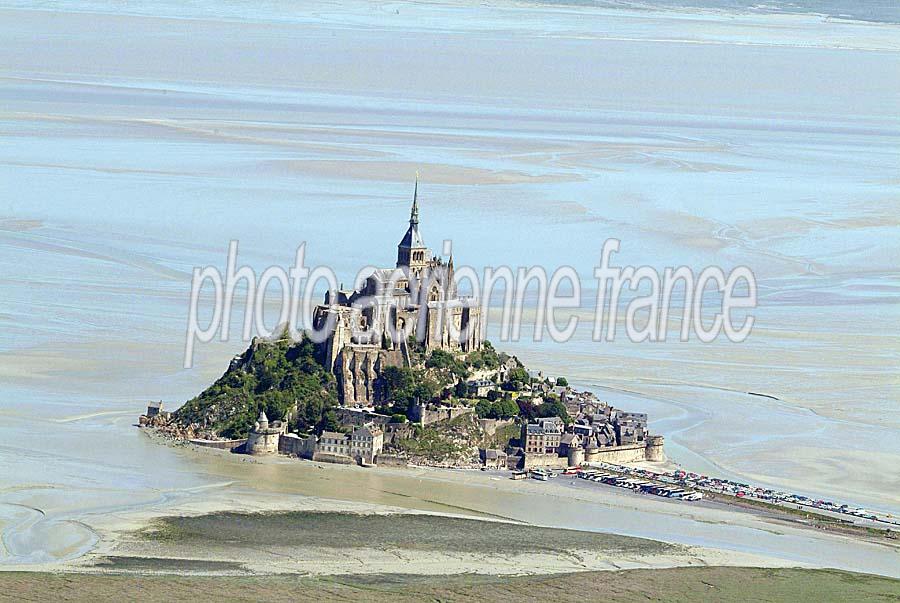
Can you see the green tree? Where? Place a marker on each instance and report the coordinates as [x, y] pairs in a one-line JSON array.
[[506, 408], [553, 408], [562, 381], [397, 383], [516, 380], [424, 390], [503, 409], [329, 422], [486, 357], [441, 359], [527, 409]]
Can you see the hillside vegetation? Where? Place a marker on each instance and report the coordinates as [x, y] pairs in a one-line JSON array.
[[282, 377]]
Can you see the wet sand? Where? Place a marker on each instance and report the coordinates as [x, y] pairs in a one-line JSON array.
[[709, 534]]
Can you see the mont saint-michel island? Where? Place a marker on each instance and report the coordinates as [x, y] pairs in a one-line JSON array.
[[437, 395], [407, 379]]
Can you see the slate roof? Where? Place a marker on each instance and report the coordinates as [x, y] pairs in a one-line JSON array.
[[412, 238], [334, 435]]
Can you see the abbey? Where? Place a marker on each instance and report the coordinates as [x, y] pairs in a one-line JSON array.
[[414, 303]]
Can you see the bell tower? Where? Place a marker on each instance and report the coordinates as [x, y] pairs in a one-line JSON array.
[[411, 252]]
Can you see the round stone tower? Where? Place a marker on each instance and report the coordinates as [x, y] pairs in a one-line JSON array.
[[576, 456], [655, 450], [263, 438]]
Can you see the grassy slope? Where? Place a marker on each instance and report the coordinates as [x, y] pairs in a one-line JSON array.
[[681, 584], [281, 377]]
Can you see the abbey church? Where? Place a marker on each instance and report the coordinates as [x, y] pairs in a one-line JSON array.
[[414, 303]]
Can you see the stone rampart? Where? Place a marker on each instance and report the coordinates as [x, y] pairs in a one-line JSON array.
[[220, 444], [394, 433], [629, 453], [390, 460], [427, 415], [326, 457], [292, 444], [652, 450], [548, 461]]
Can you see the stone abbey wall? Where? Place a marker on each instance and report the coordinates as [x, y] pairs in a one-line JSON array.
[[418, 294], [357, 369]]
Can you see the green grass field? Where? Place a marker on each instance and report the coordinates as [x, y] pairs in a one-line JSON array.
[[673, 585]]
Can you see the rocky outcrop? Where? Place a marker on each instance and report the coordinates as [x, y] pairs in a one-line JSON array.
[[449, 443], [166, 426]]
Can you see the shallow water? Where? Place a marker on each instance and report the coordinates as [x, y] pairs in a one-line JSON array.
[[135, 146]]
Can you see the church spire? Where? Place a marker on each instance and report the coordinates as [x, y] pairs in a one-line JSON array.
[[414, 212], [412, 251]]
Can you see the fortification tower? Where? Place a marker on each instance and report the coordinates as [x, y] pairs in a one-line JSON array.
[[263, 438], [654, 450]]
